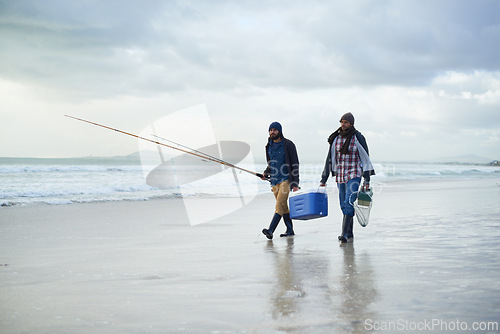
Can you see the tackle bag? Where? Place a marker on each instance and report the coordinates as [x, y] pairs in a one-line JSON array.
[[362, 205]]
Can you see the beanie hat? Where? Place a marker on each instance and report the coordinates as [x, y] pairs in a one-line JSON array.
[[275, 125], [348, 117]]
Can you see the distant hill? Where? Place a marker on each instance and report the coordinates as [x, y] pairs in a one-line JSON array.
[[465, 159]]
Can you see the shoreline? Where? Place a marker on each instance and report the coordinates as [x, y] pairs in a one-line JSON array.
[[377, 186]]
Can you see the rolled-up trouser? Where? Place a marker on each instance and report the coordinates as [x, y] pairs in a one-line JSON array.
[[281, 192]]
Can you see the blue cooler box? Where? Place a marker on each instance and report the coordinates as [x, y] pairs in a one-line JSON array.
[[309, 205]]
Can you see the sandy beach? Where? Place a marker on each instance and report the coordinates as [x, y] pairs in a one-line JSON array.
[[427, 262]]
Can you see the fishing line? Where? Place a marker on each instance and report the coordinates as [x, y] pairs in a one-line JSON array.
[[202, 155], [192, 149]]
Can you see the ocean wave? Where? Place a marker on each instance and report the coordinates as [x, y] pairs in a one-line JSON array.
[[423, 171], [66, 184], [65, 191], [16, 169]]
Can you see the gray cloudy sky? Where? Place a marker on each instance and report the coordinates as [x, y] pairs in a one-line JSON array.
[[421, 77]]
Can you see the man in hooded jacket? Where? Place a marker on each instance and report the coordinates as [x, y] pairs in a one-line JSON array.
[[348, 160], [283, 171]]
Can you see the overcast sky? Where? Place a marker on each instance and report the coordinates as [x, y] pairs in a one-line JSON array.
[[422, 78]]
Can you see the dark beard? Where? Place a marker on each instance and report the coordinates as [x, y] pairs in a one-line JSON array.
[[347, 133], [274, 137], [344, 133]]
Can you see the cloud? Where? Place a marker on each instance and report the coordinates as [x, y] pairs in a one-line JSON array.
[[115, 47], [415, 74]]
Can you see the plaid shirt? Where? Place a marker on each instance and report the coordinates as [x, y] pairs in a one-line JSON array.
[[348, 165]]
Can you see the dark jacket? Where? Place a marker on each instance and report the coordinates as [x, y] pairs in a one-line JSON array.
[[367, 172], [291, 160]]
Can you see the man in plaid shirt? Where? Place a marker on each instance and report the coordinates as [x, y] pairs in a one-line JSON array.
[[348, 160]]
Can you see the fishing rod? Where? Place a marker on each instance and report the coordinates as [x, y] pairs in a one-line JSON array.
[[204, 156], [191, 149]]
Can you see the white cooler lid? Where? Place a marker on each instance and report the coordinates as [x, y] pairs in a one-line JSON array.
[[320, 190]]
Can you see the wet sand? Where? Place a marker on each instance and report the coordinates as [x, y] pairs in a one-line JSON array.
[[429, 254]]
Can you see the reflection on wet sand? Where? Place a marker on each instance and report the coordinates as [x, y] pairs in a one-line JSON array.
[[357, 290], [288, 291], [314, 291]]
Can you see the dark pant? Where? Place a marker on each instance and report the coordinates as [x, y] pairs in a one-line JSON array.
[[346, 196]]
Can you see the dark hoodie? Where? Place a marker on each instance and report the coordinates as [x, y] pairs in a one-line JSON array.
[[291, 160]]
